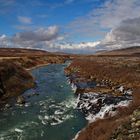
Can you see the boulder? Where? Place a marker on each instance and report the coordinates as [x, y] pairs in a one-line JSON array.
[[20, 100]]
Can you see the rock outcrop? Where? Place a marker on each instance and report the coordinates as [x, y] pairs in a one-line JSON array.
[[129, 130], [14, 65], [14, 80], [20, 100], [117, 79]]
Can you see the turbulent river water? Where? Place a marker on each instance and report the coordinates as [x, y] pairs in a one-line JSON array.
[[51, 115]]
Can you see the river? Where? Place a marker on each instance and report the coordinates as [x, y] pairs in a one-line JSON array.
[[51, 115]]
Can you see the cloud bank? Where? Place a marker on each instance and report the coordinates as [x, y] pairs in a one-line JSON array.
[[125, 35], [107, 16], [38, 35], [32, 39], [117, 21]]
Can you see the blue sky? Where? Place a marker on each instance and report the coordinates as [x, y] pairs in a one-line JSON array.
[[69, 25], [43, 13]]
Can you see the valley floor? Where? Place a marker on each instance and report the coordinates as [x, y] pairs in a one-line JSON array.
[[118, 77]]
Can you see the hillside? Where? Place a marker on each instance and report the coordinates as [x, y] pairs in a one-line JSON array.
[[13, 81], [18, 52], [109, 71], [131, 51], [14, 63]]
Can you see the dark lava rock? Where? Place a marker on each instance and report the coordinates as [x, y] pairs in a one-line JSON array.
[[92, 103]]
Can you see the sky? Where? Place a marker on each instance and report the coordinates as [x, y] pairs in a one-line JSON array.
[[75, 26]]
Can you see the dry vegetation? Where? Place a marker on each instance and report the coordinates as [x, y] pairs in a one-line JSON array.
[[123, 70], [131, 51], [118, 71], [14, 79]]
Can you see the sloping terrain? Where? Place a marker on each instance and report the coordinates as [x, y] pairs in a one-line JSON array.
[[13, 80], [29, 58], [117, 68], [14, 62], [19, 52], [131, 51]]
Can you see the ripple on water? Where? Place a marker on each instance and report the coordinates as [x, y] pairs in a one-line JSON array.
[[56, 113], [19, 131], [53, 110]]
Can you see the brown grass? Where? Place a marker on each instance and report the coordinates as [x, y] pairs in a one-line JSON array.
[[119, 70], [15, 79]]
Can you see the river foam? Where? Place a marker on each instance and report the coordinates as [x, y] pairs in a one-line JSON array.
[[54, 113], [52, 110], [98, 106]]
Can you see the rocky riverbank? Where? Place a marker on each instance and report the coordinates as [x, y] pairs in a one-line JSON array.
[[14, 77], [105, 87], [35, 61], [130, 129], [14, 80]]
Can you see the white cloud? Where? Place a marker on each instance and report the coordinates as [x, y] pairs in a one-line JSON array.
[[82, 45], [109, 15], [24, 20], [120, 17], [125, 35], [4, 41], [116, 11], [2, 37], [50, 41], [39, 38], [41, 34]]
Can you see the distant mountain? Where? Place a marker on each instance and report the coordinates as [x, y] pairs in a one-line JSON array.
[[131, 51]]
